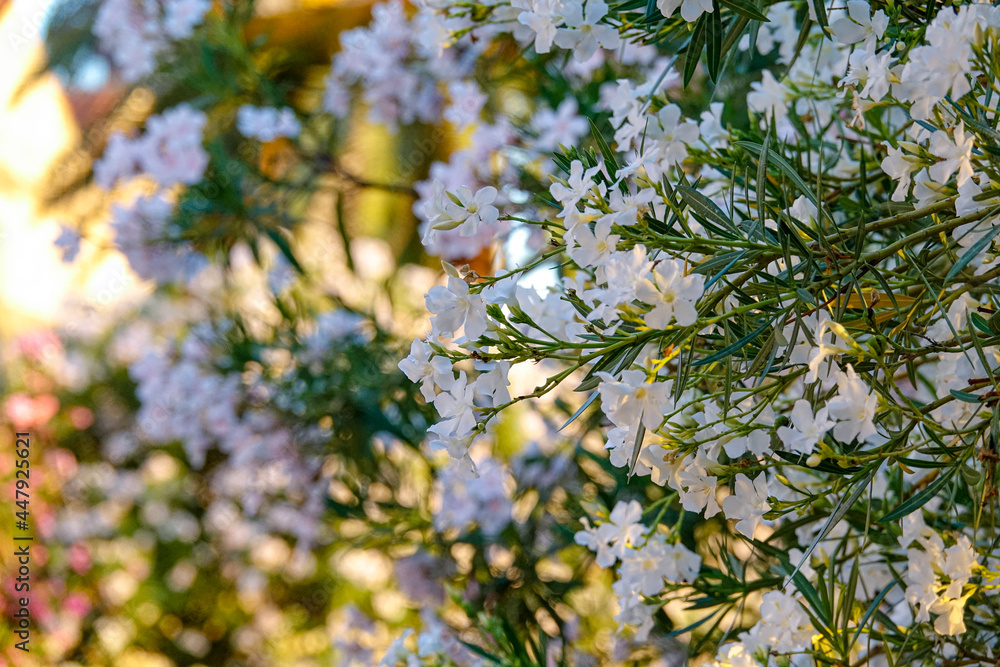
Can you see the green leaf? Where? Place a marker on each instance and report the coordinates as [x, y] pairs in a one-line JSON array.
[[980, 323], [845, 504], [713, 42], [285, 248], [639, 433], [705, 208], [786, 167], [694, 625], [747, 9], [820, 10], [971, 253], [871, 610], [694, 49], [805, 296], [722, 261], [734, 347], [965, 396], [602, 144], [919, 500], [761, 187], [495, 659], [586, 404], [725, 269]]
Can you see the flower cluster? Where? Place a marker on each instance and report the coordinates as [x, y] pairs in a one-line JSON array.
[[136, 33], [169, 151], [267, 123]]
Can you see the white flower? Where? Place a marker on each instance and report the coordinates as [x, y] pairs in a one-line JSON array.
[[767, 96], [955, 155], [643, 570], [898, 167], [785, 625], [584, 34], [632, 399], [914, 529], [807, 430], [471, 210], [711, 129], [803, 210], [863, 26], [454, 307], [562, 126], [870, 72], [467, 100], [952, 615], [429, 370], [542, 17], [182, 16], [594, 247], [171, 150], [690, 9], [853, 407], [920, 582], [698, 489], [577, 186], [673, 136], [457, 446], [456, 408], [119, 160], [492, 381], [958, 563], [748, 504], [612, 538], [823, 349], [673, 295], [267, 123]]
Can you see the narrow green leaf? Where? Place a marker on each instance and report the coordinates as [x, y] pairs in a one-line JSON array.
[[747, 9], [586, 404], [286, 249], [980, 322], [871, 610], [965, 396], [602, 144], [919, 500], [694, 625], [845, 504], [713, 42], [714, 279], [971, 253], [640, 432], [786, 167], [805, 296], [705, 208], [761, 187], [734, 347], [820, 9], [694, 49]]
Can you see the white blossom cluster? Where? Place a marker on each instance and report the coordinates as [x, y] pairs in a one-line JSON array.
[[401, 67], [267, 123], [136, 33], [170, 151]]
